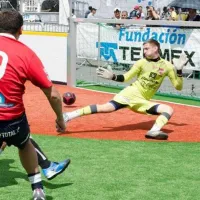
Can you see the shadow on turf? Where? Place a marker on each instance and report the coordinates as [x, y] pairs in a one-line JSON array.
[[8, 175], [55, 186], [70, 106], [138, 126]]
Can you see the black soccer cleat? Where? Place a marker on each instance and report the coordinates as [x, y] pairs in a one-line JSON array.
[[156, 135]]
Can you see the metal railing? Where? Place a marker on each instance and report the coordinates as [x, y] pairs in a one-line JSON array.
[[45, 27], [43, 16]]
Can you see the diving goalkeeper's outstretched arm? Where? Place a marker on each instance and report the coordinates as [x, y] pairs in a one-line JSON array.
[[108, 73], [176, 78]]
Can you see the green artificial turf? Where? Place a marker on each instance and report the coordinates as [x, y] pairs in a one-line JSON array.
[[109, 170]]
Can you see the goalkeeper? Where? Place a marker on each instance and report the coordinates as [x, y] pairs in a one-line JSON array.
[[150, 72]]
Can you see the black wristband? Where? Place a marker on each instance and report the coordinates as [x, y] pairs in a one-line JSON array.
[[179, 73], [114, 77], [119, 78]]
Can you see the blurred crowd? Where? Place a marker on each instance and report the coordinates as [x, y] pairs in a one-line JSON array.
[[150, 13]]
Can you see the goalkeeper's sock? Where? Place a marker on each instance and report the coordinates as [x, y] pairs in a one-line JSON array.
[[155, 127], [83, 111], [161, 121]]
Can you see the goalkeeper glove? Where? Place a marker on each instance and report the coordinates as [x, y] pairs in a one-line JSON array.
[[179, 63], [105, 73]]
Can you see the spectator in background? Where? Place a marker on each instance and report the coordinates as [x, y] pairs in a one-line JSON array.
[[140, 14], [181, 14], [50, 6], [55, 7], [73, 15], [92, 14], [151, 14], [158, 11], [124, 15], [88, 11], [134, 12], [46, 5], [117, 13], [147, 8], [165, 14], [173, 15], [192, 15]]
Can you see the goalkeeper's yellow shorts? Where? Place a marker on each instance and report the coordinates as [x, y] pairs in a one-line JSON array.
[[132, 97]]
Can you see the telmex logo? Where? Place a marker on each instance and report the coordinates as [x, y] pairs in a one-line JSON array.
[[107, 51]]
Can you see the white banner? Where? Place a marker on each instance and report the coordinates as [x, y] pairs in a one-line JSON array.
[[125, 45]]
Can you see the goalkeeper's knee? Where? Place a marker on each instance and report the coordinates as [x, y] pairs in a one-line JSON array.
[[162, 108], [106, 108], [169, 110]]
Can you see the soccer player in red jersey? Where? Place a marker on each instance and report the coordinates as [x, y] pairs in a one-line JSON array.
[[19, 63]]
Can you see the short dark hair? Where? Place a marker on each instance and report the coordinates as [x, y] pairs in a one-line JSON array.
[[90, 8], [154, 42], [117, 10], [10, 22]]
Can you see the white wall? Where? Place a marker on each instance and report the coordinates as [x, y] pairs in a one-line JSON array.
[[52, 50]]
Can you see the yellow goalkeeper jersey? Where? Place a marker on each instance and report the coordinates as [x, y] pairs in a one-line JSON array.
[[150, 75]]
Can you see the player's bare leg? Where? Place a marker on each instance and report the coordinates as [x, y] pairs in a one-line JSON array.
[[28, 158], [165, 112], [92, 109], [3, 146], [29, 161], [49, 169]]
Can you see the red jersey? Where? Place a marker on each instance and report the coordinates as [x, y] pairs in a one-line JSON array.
[[18, 63]]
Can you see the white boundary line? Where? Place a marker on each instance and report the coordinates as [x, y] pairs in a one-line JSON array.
[[152, 99]]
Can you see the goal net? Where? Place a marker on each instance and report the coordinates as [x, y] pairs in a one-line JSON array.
[[101, 42]]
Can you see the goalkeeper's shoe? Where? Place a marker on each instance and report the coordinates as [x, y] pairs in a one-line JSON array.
[[55, 169], [38, 194], [157, 135]]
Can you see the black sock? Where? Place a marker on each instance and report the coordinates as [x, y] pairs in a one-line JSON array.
[[42, 159]]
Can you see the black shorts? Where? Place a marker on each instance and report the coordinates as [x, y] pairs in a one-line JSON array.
[[15, 132]]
